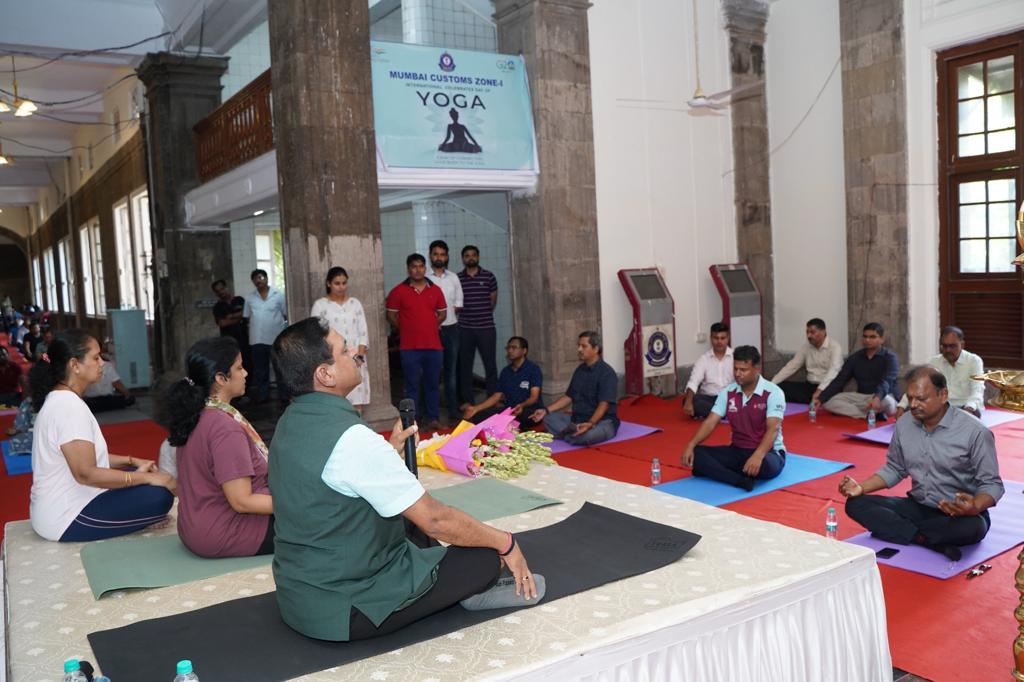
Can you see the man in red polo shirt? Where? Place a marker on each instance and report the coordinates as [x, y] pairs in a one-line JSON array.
[[417, 307]]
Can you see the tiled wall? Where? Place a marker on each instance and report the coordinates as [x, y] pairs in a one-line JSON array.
[[446, 23], [398, 240], [388, 27], [249, 58]]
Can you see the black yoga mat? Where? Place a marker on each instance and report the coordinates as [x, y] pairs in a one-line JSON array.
[[246, 639]]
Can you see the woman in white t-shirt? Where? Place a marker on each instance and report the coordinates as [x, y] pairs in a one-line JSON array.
[[79, 490], [344, 315]]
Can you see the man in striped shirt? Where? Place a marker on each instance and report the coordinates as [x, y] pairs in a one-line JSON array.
[[476, 323]]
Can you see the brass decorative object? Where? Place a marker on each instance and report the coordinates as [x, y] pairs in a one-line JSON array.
[[1010, 384]]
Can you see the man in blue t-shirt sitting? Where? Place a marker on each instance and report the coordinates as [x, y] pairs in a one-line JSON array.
[[518, 387], [593, 392]]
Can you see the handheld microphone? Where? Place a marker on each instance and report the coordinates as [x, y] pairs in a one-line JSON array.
[[407, 413]]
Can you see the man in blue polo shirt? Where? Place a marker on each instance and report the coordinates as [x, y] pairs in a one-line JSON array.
[[519, 387], [476, 323], [755, 407], [593, 392]]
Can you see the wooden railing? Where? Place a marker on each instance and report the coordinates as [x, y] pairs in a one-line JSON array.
[[238, 131]]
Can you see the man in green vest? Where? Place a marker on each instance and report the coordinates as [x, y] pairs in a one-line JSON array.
[[344, 568]]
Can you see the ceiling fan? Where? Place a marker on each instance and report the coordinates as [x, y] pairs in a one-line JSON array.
[[719, 100]]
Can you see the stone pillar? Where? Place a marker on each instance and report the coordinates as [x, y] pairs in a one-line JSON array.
[[180, 91], [326, 166], [875, 146], [554, 231], [745, 23]]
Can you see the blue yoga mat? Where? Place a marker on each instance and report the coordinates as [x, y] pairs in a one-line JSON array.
[[16, 464], [799, 468]]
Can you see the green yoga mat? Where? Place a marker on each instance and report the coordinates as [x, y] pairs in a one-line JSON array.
[[153, 562], [488, 498], [164, 561]]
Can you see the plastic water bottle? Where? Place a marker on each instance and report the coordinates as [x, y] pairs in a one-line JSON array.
[[871, 419], [185, 673], [831, 524], [812, 413], [73, 671], [655, 472]]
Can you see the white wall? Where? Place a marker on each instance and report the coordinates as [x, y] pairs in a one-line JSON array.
[[248, 58], [931, 26], [664, 195], [807, 181]]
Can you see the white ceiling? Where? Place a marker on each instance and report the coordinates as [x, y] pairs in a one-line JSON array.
[[36, 31]]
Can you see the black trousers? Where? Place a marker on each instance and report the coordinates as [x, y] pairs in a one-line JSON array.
[[702, 405], [725, 463], [463, 572], [103, 403], [471, 340], [798, 391], [901, 519], [523, 419]]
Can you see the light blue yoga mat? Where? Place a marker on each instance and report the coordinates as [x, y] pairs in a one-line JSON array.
[[799, 468]]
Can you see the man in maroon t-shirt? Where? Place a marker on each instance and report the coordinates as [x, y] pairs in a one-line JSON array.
[[755, 408], [12, 380], [416, 308]]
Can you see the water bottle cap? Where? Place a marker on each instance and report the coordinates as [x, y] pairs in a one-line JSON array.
[[831, 510], [655, 461], [71, 665], [184, 667]]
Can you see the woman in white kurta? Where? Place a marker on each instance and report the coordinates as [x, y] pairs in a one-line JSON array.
[[345, 315]]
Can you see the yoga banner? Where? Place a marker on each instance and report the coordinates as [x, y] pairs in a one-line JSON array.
[[454, 109]]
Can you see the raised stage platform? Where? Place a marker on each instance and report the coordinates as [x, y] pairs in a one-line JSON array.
[[753, 600]]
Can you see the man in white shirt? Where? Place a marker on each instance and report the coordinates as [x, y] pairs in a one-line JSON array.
[[821, 357], [711, 374], [109, 393], [267, 313], [958, 366], [451, 287]]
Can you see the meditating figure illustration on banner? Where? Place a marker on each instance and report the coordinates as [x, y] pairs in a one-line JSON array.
[[458, 133]]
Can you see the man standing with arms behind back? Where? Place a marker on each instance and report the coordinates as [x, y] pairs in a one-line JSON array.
[[476, 323], [267, 313], [451, 287], [227, 313]]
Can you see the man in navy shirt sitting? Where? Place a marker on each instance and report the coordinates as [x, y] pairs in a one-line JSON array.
[[518, 387], [593, 393]]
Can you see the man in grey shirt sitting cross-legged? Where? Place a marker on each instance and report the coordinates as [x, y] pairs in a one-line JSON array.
[[950, 457]]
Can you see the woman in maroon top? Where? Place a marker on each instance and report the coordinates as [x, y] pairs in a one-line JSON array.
[[224, 503]]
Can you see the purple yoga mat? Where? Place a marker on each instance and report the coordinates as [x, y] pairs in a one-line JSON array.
[[627, 431], [1006, 532], [883, 434]]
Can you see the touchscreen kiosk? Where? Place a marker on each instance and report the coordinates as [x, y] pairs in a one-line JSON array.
[[741, 304], [650, 348]]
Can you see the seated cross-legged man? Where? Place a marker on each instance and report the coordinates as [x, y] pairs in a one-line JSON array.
[[950, 457], [711, 373], [344, 502], [958, 366], [875, 368], [755, 408], [593, 394], [821, 357], [519, 387]]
